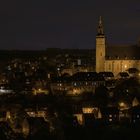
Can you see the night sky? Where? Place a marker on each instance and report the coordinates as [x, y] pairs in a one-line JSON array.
[[41, 24]]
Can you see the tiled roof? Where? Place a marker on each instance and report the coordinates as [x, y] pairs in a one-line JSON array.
[[130, 52]]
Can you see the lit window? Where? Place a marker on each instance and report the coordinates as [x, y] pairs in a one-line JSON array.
[[134, 121], [125, 66], [75, 84], [110, 120], [58, 69], [118, 67], [87, 109], [109, 66]]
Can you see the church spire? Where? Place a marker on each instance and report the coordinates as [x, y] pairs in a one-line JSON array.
[[100, 30]]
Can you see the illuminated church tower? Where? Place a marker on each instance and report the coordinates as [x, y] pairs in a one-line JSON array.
[[100, 48]]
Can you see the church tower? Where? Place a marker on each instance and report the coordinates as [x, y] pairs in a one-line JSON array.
[[100, 48]]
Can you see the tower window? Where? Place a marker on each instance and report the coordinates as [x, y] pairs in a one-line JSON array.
[[101, 54], [125, 66], [109, 66], [118, 67]]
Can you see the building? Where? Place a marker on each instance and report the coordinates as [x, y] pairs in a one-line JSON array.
[[77, 84], [115, 58]]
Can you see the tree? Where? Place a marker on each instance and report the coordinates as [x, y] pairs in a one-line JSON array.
[[101, 96]]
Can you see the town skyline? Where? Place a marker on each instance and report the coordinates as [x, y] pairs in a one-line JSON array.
[[63, 24]]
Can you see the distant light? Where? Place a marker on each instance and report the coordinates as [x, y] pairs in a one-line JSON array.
[[125, 66], [40, 91], [87, 110], [79, 118], [122, 104], [5, 91], [110, 120], [9, 68], [49, 75], [58, 69], [75, 84], [33, 68]]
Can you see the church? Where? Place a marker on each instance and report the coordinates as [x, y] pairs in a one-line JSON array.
[[115, 58]]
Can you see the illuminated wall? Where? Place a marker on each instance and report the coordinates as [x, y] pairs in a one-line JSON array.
[[117, 66]]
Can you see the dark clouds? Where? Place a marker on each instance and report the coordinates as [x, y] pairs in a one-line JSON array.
[[67, 24]]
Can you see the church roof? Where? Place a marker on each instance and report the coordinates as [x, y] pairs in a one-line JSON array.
[[121, 52]]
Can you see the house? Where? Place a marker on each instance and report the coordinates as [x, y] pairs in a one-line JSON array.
[[32, 125], [135, 114], [110, 115], [78, 83], [123, 75]]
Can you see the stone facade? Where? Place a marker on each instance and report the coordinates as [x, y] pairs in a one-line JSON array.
[[115, 58]]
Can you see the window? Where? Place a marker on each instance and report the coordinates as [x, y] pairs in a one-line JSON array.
[[75, 84], [109, 66], [110, 120], [118, 68]]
